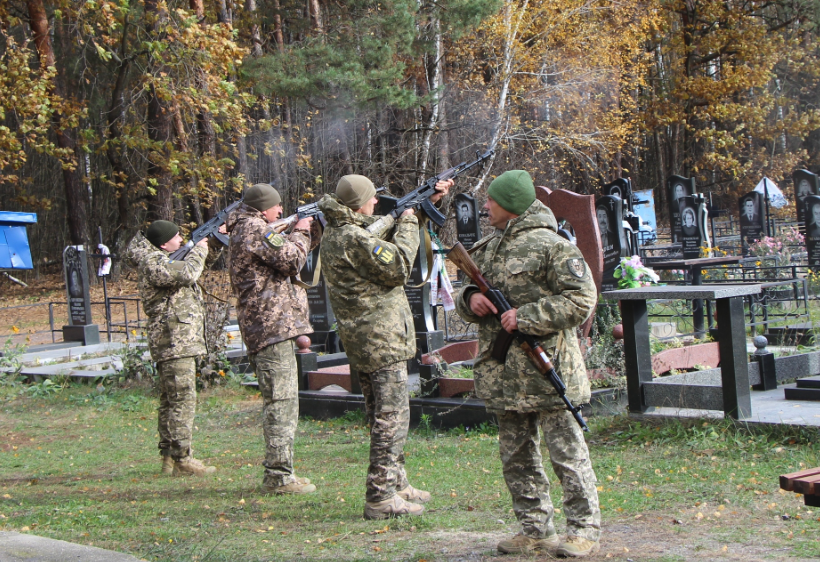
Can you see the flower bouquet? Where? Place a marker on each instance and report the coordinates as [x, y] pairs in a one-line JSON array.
[[631, 274]]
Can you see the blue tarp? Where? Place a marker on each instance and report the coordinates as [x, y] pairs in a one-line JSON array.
[[15, 252]]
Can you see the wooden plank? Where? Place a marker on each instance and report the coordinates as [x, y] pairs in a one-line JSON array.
[[808, 485], [787, 480]]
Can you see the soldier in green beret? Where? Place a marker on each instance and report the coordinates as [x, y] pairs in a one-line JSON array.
[[173, 303], [547, 281], [365, 278]]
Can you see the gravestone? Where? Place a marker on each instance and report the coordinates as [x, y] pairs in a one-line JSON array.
[[694, 232], [752, 219], [75, 268], [468, 228], [677, 187], [621, 187], [805, 183], [609, 213], [319, 309], [811, 210]]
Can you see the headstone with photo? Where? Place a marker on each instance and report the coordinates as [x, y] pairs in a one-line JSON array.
[[609, 213], [811, 210], [468, 228], [752, 219], [694, 230], [677, 187], [805, 183], [621, 187], [75, 268]]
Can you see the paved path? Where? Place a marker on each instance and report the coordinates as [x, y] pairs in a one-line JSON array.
[[19, 547]]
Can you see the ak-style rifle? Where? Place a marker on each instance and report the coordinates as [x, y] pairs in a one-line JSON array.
[[420, 198], [210, 228], [459, 256]]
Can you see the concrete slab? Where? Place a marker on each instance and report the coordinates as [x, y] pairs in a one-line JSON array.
[[769, 407], [19, 547]]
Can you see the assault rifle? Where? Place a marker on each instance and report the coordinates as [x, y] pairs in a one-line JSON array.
[[459, 256], [309, 210], [210, 228], [421, 197]]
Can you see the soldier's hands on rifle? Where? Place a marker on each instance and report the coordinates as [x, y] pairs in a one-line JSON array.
[[303, 224], [442, 187], [203, 243], [482, 306]]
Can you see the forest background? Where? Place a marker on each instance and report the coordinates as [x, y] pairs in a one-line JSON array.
[[118, 112]]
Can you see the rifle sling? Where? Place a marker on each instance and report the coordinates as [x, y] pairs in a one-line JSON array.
[[316, 273]]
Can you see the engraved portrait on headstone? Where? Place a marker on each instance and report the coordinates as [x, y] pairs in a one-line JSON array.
[[811, 211], [693, 225], [751, 217], [609, 213], [621, 187], [468, 228], [805, 184], [76, 280], [677, 188]]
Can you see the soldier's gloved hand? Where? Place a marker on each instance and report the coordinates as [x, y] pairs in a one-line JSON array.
[[481, 305], [303, 224]]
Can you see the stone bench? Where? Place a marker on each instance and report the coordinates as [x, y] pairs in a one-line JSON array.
[[806, 482]]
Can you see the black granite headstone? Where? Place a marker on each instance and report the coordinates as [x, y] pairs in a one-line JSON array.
[[811, 210], [621, 187], [694, 232], [75, 268], [609, 212], [805, 183], [321, 313], [677, 187], [752, 219], [468, 228]]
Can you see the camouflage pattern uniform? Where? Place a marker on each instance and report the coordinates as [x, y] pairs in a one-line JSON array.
[[173, 303], [365, 279], [546, 279], [272, 312]]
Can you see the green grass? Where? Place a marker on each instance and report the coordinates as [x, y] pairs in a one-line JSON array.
[[82, 466]]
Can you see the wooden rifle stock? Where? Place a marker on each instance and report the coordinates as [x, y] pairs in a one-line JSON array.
[[459, 256]]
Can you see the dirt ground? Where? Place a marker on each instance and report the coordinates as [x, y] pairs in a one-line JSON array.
[[27, 313]]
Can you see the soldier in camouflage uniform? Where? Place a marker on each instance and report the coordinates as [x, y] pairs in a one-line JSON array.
[[173, 303], [365, 279], [545, 279], [272, 312]]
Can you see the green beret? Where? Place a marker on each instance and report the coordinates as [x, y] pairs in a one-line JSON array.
[[354, 191], [513, 191], [262, 196], [160, 232]]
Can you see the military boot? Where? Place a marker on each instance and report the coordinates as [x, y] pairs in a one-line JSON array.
[[393, 507], [577, 547], [167, 465], [410, 494], [521, 544], [299, 486], [189, 466]]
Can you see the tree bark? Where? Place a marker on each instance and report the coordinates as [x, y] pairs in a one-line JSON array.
[[76, 199]]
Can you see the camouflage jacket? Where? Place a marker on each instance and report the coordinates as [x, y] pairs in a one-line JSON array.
[[546, 278], [271, 309], [365, 279], [170, 298]]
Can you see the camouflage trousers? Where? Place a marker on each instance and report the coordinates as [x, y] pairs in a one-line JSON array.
[[388, 415], [177, 406], [528, 484], [275, 368]]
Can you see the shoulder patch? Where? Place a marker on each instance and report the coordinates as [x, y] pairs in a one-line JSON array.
[[577, 267], [177, 265], [274, 240], [383, 254]]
